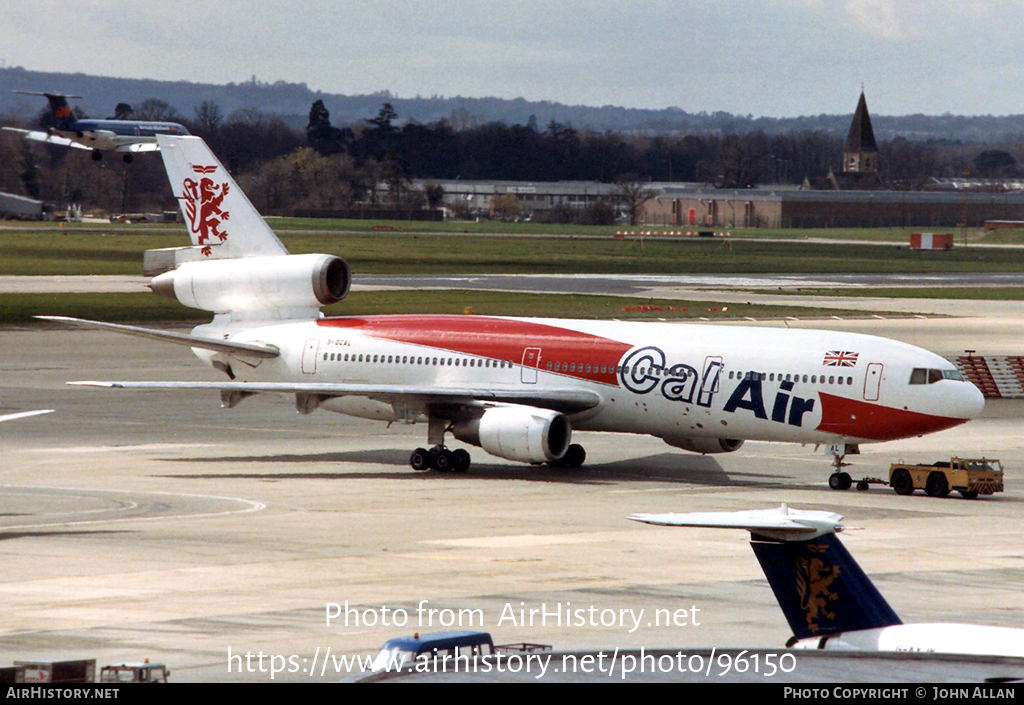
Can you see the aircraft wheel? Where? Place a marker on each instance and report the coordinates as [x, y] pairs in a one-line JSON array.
[[574, 457], [127, 158], [420, 459], [840, 481], [901, 482], [936, 485], [442, 460], [460, 460], [96, 155], [969, 494]]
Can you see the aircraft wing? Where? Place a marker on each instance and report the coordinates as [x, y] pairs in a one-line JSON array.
[[40, 136], [785, 524], [192, 341], [565, 400], [24, 414]]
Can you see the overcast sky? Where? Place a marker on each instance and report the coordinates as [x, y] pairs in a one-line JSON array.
[[763, 57]]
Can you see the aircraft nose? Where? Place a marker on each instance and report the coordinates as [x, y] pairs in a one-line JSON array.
[[970, 402]]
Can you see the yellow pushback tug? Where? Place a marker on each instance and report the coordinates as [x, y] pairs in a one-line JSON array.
[[968, 476]]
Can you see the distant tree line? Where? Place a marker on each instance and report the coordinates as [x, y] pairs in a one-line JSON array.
[[338, 168]]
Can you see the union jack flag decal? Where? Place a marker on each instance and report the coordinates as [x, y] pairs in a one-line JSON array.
[[840, 358]]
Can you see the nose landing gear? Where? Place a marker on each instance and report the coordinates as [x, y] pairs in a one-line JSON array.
[[840, 479]]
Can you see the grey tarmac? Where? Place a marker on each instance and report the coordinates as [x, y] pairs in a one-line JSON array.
[[155, 524]]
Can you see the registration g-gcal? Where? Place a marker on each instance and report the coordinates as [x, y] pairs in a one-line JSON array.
[[520, 387]]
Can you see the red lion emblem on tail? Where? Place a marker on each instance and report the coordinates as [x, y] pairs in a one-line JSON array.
[[203, 199]]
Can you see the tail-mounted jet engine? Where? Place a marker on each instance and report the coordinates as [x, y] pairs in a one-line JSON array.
[[257, 283]]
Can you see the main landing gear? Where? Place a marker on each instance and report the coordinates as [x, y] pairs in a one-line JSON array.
[[840, 479], [458, 460], [440, 458], [574, 457]]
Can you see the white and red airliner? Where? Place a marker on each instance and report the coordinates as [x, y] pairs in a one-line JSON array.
[[519, 387]]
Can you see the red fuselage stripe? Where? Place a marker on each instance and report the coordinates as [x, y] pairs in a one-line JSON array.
[[570, 352]]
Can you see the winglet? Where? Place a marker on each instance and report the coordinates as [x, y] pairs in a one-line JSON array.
[[783, 524]]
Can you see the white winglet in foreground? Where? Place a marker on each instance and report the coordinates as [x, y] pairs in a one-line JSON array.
[[520, 387], [25, 414], [829, 602], [784, 524]]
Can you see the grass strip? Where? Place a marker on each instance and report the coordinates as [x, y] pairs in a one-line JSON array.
[[120, 251], [19, 309]]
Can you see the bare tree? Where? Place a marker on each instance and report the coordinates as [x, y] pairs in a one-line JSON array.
[[157, 110], [635, 194], [208, 117]]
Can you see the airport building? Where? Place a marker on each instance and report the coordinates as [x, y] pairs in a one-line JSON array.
[[478, 196], [796, 208], [854, 197], [13, 206], [703, 205]]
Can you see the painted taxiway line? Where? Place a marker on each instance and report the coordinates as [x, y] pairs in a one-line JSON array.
[[252, 507]]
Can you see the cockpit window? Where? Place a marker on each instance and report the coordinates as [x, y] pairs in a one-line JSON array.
[[920, 375]]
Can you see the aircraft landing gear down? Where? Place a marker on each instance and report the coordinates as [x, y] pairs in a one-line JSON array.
[[840, 479], [440, 458], [574, 457]]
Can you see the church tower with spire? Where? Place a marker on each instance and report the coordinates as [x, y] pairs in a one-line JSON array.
[[860, 153]]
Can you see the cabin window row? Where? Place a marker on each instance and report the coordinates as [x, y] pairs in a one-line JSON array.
[[780, 377], [415, 360], [579, 367]]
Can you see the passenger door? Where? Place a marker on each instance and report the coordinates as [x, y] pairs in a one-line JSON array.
[[309, 355], [531, 358], [873, 382]]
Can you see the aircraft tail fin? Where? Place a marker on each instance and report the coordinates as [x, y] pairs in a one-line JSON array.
[[221, 221], [819, 586], [61, 115], [61, 110]]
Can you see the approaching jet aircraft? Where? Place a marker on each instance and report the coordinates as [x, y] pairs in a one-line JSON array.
[[828, 600], [517, 387], [24, 414], [125, 137]]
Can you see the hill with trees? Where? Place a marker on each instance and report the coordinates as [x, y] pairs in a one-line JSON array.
[[290, 102], [291, 149]]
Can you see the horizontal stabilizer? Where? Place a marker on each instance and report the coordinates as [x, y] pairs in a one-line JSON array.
[[47, 95], [251, 350], [784, 523]]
